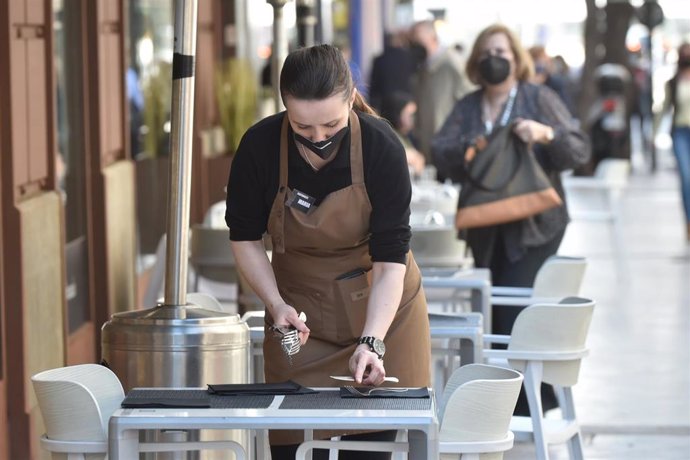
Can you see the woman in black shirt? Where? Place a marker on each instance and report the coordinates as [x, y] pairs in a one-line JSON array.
[[329, 182]]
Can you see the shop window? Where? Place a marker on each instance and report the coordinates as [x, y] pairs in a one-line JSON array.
[[71, 155], [150, 38]]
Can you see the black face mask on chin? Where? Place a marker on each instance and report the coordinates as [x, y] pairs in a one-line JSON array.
[[494, 70], [324, 148]]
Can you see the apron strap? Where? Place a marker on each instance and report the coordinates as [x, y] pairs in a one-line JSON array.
[[356, 162], [278, 238], [278, 210]]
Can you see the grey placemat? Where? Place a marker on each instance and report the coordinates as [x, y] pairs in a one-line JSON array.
[[332, 400], [216, 401]]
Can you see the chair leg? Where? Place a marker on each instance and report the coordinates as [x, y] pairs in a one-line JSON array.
[[400, 436], [575, 449], [532, 383], [567, 405], [333, 453], [262, 449], [75, 456]]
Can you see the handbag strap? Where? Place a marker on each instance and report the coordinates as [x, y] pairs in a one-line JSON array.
[[507, 111]]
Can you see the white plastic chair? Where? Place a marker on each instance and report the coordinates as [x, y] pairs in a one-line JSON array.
[[597, 198], [438, 246], [547, 344], [76, 403], [557, 278], [474, 416], [211, 258], [209, 302]]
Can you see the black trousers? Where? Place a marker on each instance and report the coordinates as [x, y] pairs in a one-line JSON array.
[[288, 452], [520, 273]]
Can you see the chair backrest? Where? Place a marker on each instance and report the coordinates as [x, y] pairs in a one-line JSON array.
[[478, 402], [215, 216], [76, 402], [613, 171], [157, 277], [432, 245], [207, 301], [554, 328], [211, 255], [559, 276]]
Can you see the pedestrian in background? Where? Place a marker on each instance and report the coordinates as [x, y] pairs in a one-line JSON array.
[[392, 70], [513, 251], [399, 109], [678, 101], [438, 83], [545, 73]]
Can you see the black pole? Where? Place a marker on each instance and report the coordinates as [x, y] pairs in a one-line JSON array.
[[306, 22], [651, 15], [650, 83]]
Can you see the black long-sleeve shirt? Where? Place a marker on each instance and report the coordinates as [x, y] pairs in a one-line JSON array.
[[254, 175]]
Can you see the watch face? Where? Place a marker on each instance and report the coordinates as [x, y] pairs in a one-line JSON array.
[[379, 347]]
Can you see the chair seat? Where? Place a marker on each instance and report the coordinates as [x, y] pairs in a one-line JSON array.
[[501, 445], [556, 431]]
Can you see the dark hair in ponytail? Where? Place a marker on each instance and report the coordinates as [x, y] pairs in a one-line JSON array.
[[319, 72]]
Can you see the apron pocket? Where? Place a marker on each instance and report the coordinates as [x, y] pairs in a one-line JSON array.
[[352, 293]]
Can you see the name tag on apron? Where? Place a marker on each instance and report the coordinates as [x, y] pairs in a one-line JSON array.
[[300, 201]]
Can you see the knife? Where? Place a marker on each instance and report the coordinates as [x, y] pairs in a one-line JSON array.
[[347, 378]]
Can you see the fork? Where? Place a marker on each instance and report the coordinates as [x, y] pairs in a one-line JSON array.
[[357, 392], [289, 340]]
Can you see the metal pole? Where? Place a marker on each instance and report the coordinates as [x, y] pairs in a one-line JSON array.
[[650, 121], [182, 116], [306, 22], [280, 50]]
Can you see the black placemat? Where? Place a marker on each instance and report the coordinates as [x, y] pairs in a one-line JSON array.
[[215, 401], [280, 388], [382, 392], [332, 400]]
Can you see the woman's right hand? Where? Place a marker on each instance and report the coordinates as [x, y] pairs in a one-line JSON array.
[[286, 315]]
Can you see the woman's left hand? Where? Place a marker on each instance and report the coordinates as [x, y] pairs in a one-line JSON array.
[[363, 360], [530, 131]]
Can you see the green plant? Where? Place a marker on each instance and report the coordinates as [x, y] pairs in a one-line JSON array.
[[236, 94], [157, 106]]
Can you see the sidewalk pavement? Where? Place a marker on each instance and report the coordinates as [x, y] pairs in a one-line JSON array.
[[633, 397]]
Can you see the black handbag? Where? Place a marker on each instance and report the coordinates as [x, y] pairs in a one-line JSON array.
[[505, 183]]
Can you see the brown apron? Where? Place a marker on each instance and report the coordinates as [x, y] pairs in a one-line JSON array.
[[311, 250]]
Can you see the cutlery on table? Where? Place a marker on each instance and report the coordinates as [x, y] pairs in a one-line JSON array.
[[347, 378]]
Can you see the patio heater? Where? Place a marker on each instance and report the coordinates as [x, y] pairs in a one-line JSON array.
[[177, 344]]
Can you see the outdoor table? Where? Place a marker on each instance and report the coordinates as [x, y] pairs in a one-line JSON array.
[[451, 282], [324, 409]]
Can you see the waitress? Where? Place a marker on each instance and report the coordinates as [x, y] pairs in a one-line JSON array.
[[328, 180]]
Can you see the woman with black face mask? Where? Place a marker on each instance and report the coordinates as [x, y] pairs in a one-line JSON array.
[[327, 179], [501, 67]]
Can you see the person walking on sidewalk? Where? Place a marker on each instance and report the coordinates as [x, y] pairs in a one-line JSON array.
[[678, 100]]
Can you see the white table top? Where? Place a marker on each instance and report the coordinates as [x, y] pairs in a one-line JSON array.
[[422, 423]]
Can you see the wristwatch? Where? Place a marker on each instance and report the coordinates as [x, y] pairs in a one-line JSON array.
[[376, 345]]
